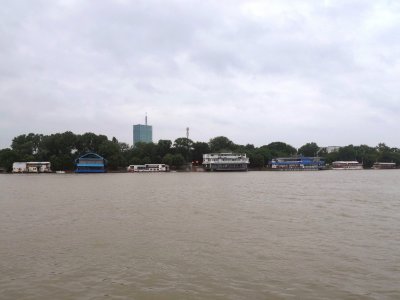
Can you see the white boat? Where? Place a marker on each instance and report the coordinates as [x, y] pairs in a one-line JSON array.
[[384, 165], [297, 163], [148, 168], [347, 165], [225, 162]]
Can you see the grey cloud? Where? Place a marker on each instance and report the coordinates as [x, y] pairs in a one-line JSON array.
[[99, 66]]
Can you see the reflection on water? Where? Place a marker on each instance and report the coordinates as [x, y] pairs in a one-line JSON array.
[[254, 235]]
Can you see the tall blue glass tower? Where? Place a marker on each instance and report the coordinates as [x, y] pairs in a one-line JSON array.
[[142, 133]]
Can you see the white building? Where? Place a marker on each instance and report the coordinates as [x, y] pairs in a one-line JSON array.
[[31, 167], [331, 149]]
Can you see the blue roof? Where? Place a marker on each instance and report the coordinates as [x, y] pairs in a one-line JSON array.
[[91, 160], [298, 160], [90, 165], [91, 155]]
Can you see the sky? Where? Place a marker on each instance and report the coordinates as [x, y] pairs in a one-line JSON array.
[[254, 71]]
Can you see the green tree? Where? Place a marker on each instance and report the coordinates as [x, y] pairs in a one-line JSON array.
[[183, 146], [367, 155], [89, 142], [387, 154], [110, 150], [382, 148], [178, 160], [199, 148], [163, 147], [146, 160], [168, 159], [221, 144], [256, 160], [27, 146], [331, 157], [266, 153], [134, 161], [347, 153], [61, 162], [279, 149], [7, 158], [309, 149], [142, 150], [59, 144]]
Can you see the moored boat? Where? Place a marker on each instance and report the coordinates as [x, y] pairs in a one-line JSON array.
[[347, 165], [384, 165], [225, 162], [297, 163], [148, 168]]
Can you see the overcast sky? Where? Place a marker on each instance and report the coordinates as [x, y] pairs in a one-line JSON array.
[[253, 71]]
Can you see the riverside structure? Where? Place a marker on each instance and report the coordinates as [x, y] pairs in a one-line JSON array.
[[384, 165], [225, 162], [91, 163], [32, 167], [347, 165], [148, 168], [298, 163]]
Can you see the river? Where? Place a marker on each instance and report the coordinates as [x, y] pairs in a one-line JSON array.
[[253, 235]]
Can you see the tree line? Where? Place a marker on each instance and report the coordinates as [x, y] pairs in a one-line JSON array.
[[62, 149]]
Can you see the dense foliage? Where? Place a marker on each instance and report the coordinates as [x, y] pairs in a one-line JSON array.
[[61, 149]]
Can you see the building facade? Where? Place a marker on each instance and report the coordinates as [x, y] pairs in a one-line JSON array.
[[331, 149], [32, 167], [90, 163], [142, 133]]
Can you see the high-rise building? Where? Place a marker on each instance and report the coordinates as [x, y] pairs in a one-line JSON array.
[[142, 133]]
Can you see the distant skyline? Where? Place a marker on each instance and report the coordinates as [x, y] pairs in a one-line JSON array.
[[253, 71]]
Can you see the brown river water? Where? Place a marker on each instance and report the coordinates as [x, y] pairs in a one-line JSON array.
[[254, 235]]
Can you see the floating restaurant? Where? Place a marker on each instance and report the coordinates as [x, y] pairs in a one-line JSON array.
[[148, 168], [297, 163], [347, 165], [384, 165], [225, 162], [90, 163]]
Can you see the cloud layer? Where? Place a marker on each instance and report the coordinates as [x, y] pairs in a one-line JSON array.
[[254, 71]]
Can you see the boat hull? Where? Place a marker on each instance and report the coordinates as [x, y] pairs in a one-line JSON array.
[[225, 168]]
